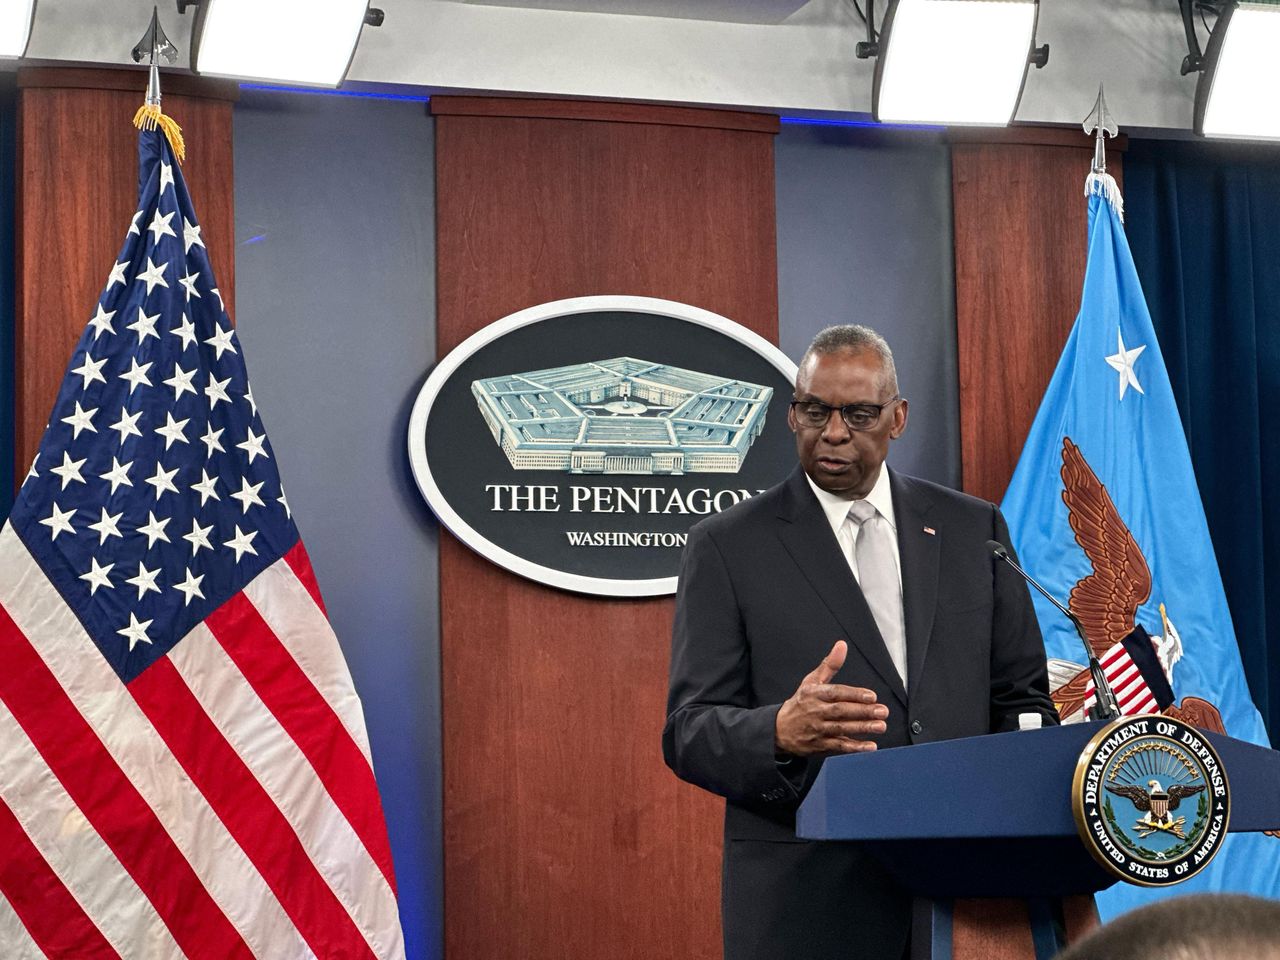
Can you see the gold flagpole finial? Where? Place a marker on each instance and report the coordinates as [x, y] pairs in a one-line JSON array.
[[154, 45]]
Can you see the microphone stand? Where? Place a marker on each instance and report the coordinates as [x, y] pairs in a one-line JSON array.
[[1105, 706]]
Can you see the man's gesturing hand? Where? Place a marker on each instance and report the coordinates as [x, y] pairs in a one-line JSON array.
[[823, 718]]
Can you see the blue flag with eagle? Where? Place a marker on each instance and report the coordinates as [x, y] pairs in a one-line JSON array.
[[1104, 509]]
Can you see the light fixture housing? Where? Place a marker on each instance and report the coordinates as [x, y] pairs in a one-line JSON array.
[[953, 61], [304, 42], [1239, 72], [16, 17]]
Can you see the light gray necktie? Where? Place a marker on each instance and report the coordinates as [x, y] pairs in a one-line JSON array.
[[878, 577]]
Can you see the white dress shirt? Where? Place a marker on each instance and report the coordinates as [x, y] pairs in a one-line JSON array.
[[836, 508]]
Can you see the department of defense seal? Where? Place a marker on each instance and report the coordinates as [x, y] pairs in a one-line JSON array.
[[1151, 800]]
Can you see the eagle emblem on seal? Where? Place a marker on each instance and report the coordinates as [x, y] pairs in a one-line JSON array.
[[1156, 803]]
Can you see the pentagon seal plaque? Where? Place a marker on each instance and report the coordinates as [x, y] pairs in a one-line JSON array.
[[1151, 800], [576, 442]]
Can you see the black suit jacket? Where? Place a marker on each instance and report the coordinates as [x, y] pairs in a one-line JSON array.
[[764, 593]]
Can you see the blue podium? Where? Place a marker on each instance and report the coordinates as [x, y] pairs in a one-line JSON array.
[[976, 823]]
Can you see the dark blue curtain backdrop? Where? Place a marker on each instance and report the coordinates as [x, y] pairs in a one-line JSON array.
[[1203, 220]]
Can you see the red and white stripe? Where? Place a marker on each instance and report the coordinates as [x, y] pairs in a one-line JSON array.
[[221, 805], [1132, 693]]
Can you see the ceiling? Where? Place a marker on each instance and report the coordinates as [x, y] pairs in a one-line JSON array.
[[790, 56]]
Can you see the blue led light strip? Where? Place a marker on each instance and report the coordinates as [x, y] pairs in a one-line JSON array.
[[313, 91], [811, 121]]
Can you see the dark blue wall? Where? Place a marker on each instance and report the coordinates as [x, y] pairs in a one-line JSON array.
[[335, 304], [865, 236]]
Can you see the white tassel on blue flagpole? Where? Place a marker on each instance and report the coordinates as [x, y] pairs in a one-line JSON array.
[[1104, 185]]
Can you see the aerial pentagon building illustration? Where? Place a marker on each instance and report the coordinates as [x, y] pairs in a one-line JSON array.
[[623, 416]]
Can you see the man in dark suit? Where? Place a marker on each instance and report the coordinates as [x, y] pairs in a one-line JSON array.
[[808, 627]]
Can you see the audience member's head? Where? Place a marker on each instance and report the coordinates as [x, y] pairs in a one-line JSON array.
[[1201, 927]]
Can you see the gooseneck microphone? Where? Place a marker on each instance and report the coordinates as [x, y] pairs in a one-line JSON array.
[[1105, 706]]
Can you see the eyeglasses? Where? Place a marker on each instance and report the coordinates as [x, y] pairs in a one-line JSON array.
[[857, 416]]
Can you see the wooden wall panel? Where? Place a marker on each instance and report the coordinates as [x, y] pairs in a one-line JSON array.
[[77, 187], [565, 835], [1020, 241]]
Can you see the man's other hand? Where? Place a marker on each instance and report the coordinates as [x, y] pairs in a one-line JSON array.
[[824, 719]]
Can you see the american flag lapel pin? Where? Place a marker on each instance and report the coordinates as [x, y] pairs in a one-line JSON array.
[[930, 531]]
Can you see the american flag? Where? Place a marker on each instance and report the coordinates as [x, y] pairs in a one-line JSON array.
[[1136, 676], [184, 768]]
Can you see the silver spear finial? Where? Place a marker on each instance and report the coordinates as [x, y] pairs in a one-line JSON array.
[[1100, 122], [154, 45]]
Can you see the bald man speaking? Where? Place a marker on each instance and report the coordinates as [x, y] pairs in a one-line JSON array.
[[850, 608]]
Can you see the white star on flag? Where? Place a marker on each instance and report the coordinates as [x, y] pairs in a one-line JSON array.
[[118, 474], [117, 274], [242, 542], [189, 284], [205, 487], [59, 522], [136, 632], [91, 370], [153, 529], [181, 381], [172, 431], [211, 441], [190, 588], [101, 322], [162, 480], [70, 470], [190, 235], [127, 425], [186, 331], [217, 390], [137, 375], [144, 325], [81, 420], [222, 341], [107, 526], [252, 446], [248, 495], [153, 276], [160, 225], [145, 580], [97, 576], [198, 537], [1122, 361]]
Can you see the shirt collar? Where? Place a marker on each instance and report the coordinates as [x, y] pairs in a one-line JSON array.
[[836, 507]]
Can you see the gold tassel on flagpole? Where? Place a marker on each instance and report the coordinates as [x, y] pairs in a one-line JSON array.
[[149, 117]]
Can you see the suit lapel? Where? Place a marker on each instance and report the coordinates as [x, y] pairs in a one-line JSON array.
[[918, 550], [807, 537]]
